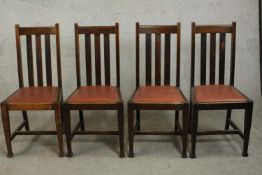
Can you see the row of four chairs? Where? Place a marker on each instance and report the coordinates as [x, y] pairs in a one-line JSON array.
[[212, 95]]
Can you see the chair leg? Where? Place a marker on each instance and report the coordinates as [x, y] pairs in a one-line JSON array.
[[194, 123], [131, 131], [7, 132], [247, 128], [120, 116], [68, 132], [59, 129], [185, 132], [227, 119], [190, 116], [176, 121], [138, 121], [82, 122], [25, 117]]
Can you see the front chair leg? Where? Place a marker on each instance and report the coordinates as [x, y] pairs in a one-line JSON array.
[[25, 117], [138, 120], [82, 122], [59, 128], [176, 121], [131, 132], [194, 123], [185, 132], [247, 128], [6, 125], [68, 132], [120, 116]]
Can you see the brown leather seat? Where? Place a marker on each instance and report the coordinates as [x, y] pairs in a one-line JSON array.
[[158, 94], [34, 95], [217, 94], [95, 94]]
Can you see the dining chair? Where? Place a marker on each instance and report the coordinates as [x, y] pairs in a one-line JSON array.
[[37, 96], [160, 95], [216, 94], [95, 95]]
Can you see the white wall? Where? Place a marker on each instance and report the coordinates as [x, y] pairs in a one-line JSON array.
[[127, 12]]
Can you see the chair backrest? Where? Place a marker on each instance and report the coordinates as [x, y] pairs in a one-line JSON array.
[[213, 31], [97, 31], [28, 32], [157, 31]]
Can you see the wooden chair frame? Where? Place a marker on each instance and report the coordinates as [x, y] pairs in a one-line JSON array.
[[148, 30], [222, 30], [5, 107], [96, 31]]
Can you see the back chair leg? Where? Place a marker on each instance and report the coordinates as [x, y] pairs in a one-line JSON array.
[[176, 121], [138, 121], [185, 132], [190, 116], [68, 132], [120, 116], [6, 124], [25, 117], [194, 123], [227, 119], [131, 132], [82, 122], [247, 128], [59, 129]]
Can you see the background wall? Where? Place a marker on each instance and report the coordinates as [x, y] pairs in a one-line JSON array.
[[127, 12]]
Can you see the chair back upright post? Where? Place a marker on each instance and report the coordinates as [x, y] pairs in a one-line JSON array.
[[28, 32], [157, 31], [97, 31], [213, 31]]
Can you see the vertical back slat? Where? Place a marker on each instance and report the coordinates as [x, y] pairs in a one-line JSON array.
[[212, 57], [167, 60], [48, 61], [203, 59], [39, 60], [178, 57], [148, 58], [233, 50], [97, 59], [137, 55], [157, 59], [222, 46], [88, 59], [30, 64], [107, 58], [19, 57]]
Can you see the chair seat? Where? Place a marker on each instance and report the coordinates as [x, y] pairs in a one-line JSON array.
[[217, 94], [94, 95], [34, 95], [158, 94]]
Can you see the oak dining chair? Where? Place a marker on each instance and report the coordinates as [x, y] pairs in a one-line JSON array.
[[160, 95], [96, 95], [216, 94], [37, 96]]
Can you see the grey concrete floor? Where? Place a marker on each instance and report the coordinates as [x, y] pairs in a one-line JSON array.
[[153, 154]]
